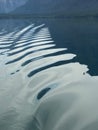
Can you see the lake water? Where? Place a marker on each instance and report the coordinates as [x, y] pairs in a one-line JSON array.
[[48, 74]]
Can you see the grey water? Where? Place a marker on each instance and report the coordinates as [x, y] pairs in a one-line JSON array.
[[48, 74]]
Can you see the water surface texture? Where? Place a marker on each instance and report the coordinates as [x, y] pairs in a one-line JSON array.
[[48, 74]]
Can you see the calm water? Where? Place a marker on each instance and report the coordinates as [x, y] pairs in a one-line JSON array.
[[48, 74]]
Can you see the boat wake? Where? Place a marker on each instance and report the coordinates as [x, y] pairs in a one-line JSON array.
[[38, 93]]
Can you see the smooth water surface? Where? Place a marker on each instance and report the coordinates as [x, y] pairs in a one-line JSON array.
[[48, 74]]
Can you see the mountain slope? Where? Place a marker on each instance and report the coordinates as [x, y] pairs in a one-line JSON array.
[[51, 7], [7, 6]]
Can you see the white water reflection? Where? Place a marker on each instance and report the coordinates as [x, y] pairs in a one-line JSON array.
[[44, 89]]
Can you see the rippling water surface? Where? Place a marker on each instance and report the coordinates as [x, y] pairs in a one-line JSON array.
[[48, 74]]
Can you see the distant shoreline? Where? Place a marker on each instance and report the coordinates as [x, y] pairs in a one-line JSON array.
[[62, 16]]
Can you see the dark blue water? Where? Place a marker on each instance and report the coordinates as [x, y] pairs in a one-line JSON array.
[[80, 37], [48, 74]]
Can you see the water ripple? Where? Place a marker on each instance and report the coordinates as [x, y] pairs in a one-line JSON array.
[[33, 46]]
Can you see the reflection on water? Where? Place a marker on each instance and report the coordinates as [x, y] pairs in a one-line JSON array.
[[44, 84]]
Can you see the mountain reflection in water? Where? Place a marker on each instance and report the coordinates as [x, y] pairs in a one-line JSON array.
[[45, 80]]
